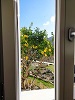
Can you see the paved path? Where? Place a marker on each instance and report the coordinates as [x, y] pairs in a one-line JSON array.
[[45, 94]]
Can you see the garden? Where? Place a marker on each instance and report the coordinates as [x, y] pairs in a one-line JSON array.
[[37, 59]]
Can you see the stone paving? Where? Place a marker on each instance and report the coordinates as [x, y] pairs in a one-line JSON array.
[[44, 94]]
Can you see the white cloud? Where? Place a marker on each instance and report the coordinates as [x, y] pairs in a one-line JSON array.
[[46, 24], [52, 19]]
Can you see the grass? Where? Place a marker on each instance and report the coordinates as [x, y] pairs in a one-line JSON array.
[[51, 68], [42, 83]]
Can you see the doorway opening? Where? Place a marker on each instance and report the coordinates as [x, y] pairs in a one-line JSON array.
[[37, 32]]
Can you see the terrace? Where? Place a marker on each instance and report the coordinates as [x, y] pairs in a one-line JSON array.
[[45, 94]]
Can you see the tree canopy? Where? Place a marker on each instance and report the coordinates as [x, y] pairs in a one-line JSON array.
[[35, 44]]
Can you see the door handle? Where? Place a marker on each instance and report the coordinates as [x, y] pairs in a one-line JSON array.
[[71, 34]]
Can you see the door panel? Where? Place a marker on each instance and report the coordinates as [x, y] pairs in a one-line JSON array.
[[60, 48], [69, 50], [1, 61], [64, 50], [8, 49]]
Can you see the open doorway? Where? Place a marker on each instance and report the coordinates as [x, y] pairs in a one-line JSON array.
[[37, 32]]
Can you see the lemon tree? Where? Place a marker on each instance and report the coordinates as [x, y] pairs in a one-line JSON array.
[[34, 46]]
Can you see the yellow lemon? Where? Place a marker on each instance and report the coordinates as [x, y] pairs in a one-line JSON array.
[[42, 52], [45, 49], [45, 54], [26, 36], [50, 50], [26, 57], [26, 44]]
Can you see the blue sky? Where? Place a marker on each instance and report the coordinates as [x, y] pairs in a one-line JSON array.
[[40, 12]]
